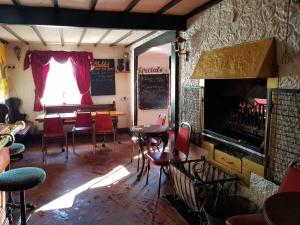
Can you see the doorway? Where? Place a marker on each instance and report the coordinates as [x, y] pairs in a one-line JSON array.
[[156, 54]]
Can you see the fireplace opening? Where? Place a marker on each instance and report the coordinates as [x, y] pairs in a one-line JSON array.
[[235, 113]]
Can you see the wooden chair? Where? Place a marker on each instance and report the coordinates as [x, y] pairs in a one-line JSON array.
[[103, 125], [83, 125], [291, 183], [53, 130], [182, 147]]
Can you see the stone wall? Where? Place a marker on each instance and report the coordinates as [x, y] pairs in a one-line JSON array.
[[233, 22]]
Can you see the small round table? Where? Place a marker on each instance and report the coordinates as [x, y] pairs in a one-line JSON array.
[[283, 209], [144, 132]]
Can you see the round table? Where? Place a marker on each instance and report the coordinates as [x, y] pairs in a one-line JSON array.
[[144, 132], [283, 209]]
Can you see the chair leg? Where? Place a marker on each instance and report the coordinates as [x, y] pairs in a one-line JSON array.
[[158, 195], [23, 209], [43, 149], [131, 153], [114, 141], [73, 144], [67, 149], [95, 142], [148, 169], [138, 164]]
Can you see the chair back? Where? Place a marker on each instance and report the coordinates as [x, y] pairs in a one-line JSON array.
[[83, 119], [103, 123], [182, 143], [53, 125], [3, 113], [291, 181], [161, 119]]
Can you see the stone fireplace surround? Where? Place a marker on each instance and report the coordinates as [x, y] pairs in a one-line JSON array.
[[236, 21]]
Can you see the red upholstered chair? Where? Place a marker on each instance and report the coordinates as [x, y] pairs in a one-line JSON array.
[[180, 152], [103, 125], [53, 130], [83, 125], [291, 183]]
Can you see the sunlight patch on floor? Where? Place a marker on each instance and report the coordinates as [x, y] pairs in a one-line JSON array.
[[67, 200]]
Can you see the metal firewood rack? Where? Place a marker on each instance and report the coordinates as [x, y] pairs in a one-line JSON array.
[[195, 180]]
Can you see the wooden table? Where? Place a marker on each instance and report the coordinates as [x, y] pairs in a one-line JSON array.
[[72, 115], [144, 132], [283, 209]]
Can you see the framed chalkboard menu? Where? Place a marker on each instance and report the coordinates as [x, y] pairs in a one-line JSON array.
[[153, 91], [103, 77]]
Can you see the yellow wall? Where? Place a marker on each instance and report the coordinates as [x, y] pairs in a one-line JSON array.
[[3, 73]]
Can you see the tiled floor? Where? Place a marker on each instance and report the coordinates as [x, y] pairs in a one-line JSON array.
[[94, 189]]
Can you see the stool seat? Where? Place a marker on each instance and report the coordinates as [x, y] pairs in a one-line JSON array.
[[21, 179], [16, 149]]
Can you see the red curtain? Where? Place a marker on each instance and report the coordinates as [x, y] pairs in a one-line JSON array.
[[39, 62]]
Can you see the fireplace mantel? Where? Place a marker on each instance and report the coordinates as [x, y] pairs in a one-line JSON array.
[[248, 60]]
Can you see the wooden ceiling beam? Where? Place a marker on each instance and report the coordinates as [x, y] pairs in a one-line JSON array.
[[61, 34], [141, 38], [37, 32], [86, 18], [131, 5], [168, 6], [121, 38], [102, 37], [81, 37], [202, 7], [9, 30]]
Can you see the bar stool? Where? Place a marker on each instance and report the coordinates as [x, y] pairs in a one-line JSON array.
[[20, 180], [16, 150]]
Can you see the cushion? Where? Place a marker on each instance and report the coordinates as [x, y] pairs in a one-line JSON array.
[[21, 178], [162, 158], [251, 219], [291, 182], [16, 149]]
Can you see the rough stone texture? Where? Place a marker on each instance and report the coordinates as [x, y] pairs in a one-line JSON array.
[[236, 21], [284, 133], [259, 190], [233, 22]]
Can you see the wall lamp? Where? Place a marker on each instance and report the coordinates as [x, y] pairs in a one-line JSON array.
[[180, 48]]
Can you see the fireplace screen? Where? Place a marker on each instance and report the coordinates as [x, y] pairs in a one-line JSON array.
[[236, 109]]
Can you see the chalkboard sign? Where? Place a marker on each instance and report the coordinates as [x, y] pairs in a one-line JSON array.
[[103, 77], [153, 91]]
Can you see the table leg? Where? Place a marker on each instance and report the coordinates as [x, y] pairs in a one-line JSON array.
[[141, 148]]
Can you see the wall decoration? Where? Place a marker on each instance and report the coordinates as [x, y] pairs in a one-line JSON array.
[[103, 77], [122, 65]]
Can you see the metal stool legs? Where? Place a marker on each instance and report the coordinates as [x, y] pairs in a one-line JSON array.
[[23, 208]]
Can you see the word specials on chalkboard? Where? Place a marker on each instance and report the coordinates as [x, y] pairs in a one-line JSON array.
[[103, 77], [153, 91]]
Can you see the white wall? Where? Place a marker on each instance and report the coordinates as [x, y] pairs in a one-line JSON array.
[[22, 86], [153, 59]]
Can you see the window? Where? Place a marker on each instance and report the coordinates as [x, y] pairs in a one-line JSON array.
[[61, 86]]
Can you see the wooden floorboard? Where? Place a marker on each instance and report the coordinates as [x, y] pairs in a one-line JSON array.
[[84, 190]]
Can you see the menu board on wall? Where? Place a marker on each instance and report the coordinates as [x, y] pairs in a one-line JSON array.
[[103, 77], [153, 91]]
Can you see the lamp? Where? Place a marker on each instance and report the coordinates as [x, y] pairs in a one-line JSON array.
[[17, 51], [180, 48]]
